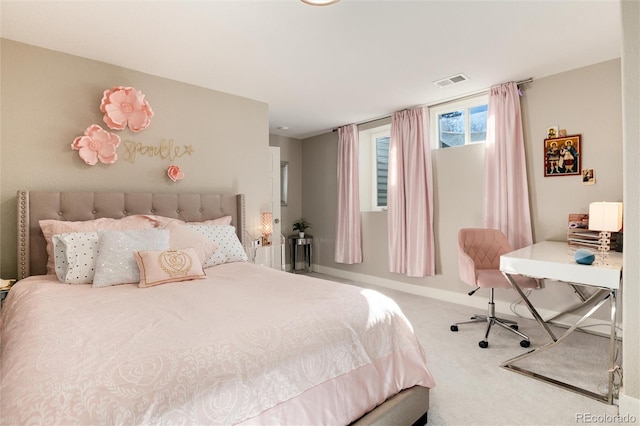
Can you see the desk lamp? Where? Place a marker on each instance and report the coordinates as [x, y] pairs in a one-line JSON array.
[[266, 220], [606, 218]]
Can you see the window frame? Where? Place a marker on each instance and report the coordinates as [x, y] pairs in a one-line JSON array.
[[382, 131], [463, 104], [367, 139]]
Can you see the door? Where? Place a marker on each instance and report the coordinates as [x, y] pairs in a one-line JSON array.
[[277, 249]]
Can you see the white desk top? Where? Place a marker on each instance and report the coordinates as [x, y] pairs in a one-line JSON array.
[[554, 260]]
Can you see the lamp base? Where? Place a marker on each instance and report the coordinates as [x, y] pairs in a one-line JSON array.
[[604, 245]]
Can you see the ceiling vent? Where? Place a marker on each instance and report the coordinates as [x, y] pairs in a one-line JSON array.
[[451, 80]]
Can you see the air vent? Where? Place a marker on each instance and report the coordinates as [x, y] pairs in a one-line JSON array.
[[451, 80]]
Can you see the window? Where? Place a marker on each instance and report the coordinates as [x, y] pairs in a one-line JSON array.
[[374, 167], [459, 123]]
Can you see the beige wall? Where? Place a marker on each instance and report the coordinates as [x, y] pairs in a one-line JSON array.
[[585, 101], [49, 98]]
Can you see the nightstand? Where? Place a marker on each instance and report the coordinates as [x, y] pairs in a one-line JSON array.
[[307, 245], [271, 256], [6, 286]]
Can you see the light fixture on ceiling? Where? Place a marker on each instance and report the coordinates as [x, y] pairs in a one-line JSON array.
[[320, 2]]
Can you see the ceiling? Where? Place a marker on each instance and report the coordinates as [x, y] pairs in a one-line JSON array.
[[323, 67]]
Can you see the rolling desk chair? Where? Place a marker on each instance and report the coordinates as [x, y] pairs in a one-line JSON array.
[[479, 252]]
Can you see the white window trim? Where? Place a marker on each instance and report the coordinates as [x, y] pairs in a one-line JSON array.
[[466, 104]]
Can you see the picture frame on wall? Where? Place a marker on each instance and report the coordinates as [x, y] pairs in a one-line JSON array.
[[563, 156]]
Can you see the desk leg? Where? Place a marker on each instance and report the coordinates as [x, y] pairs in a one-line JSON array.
[[607, 398], [292, 255], [533, 310], [612, 347]]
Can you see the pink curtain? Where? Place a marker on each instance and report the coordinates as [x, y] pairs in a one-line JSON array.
[[348, 245], [506, 194], [410, 195]]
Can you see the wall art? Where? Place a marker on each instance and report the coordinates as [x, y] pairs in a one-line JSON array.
[[562, 156], [96, 145], [125, 106]]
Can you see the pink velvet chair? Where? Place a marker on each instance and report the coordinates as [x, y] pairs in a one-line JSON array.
[[479, 251]]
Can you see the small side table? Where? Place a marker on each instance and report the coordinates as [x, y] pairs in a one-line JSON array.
[[307, 245], [3, 294]]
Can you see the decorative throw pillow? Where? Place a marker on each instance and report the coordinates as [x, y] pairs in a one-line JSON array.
[[115, 264], [51, 227], [167, 266], [182, 236], [229, 247], [75, 256]]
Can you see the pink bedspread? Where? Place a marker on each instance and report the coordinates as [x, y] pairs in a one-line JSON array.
[[247, 345]]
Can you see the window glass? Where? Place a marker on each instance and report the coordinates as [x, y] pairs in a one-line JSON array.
[[451, 129], [478, 118], [382, 169], [459, 123]]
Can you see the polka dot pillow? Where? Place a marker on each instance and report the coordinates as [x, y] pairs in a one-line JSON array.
[[75, 256], [229, 247]]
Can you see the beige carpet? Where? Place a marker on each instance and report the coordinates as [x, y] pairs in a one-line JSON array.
[[472, 389]]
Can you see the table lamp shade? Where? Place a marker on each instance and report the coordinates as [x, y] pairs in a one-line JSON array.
[[604, 216]]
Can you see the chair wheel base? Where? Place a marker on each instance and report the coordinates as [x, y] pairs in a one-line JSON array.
[[483, 344], [454, 328], [525, 343]]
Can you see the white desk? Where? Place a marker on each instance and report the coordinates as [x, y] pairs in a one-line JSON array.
[[553, 260]]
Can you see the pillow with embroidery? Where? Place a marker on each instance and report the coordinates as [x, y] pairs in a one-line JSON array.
[[168, 266]]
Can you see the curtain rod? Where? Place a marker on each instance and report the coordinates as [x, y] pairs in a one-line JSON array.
[[528, 80]]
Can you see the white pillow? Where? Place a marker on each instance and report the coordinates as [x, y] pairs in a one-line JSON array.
[[116, 264], [229, 247], [75, 256]]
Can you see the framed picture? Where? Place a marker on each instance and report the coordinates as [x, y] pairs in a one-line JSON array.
[[552, 132], [562, 156], [588, 176]]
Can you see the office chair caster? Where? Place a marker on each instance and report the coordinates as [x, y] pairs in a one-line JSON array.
[[514, 326], [483, 344], [525, 343], [454, 328]]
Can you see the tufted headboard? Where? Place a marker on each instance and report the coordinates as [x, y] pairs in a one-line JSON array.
[[34, 206]]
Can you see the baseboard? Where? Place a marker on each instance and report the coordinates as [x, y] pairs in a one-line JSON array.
[[592, 325], [628, 408]]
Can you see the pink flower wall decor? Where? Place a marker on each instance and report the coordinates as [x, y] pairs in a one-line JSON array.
[[124, 106], [96, 145], [174, 173]]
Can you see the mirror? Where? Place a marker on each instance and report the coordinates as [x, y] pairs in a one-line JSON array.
[[284, 182]]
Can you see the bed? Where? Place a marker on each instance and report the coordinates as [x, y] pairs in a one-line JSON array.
[[241, 344]]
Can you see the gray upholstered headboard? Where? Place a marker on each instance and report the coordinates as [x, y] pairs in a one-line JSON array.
[[75, 206]]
